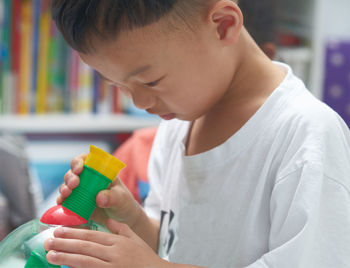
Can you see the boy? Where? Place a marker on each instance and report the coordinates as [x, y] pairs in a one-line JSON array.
[[247, 169], [136, 149]]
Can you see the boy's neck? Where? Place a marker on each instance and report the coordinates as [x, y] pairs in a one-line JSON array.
[[253, 82]]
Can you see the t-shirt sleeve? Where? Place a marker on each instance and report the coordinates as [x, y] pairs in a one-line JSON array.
[[155, 174], [310, 219]]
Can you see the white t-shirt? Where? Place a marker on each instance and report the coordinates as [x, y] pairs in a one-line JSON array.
[[275, 194]]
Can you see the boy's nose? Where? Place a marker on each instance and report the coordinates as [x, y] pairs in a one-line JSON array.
[[143, 101]]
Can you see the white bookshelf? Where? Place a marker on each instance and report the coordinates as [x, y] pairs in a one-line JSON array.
[[70, 124]]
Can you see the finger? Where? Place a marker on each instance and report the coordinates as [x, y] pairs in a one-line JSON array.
[[61, 186], [71, 180], [77, 164], [65, 191], [74, 260], [59, 200], [76, 246], [86, 235]]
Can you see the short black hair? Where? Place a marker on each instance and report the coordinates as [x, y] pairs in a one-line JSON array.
[[80, 21]]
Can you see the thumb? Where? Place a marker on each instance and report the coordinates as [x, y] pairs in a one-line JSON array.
[[111, 197], [108, 198]]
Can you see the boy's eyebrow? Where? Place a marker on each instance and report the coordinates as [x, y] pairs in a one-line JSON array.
[[137, 71], [133, 73]]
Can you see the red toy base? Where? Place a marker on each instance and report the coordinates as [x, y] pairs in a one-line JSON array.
[[59, 215]]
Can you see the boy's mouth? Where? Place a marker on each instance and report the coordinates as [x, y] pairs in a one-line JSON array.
[[163, 116], [167, 116]]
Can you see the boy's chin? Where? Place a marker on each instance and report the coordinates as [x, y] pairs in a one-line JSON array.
[[186, 118]]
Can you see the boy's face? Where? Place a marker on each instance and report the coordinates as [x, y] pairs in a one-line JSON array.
[[172, 73]]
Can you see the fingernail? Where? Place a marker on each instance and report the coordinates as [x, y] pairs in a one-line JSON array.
[[78, 166], [69, 181], [52, 255], [59, 231], [75, 169], [103, 200], [50, 242]]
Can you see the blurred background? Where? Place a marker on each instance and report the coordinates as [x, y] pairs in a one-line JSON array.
[[53, 106]]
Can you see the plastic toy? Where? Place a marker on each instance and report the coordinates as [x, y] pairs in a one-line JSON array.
[[24, 247]]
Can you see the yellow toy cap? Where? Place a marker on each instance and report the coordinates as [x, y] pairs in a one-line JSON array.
[[104, 163]]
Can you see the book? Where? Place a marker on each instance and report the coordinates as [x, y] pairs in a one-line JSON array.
[[35, 47], [95, 97], [43, 60], [62, 79], [2, 11], [7, 90], [2, 15], [25, 66], [53, 95], [57, 76], [15, 26], [39, 73], [117, 101], [104, 105], [73, 73], [85, 83]]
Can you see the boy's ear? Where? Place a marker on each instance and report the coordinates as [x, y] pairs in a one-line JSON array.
[[227, 19]]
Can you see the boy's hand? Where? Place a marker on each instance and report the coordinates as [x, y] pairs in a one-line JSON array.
[[71, 178], [84, 248], [117, 202]]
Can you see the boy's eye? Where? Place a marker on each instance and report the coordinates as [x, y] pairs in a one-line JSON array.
[[154, 83]]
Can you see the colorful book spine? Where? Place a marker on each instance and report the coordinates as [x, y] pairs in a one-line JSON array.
[[62, 78], [35, 46], [7, 88], [116, 105], [43, 62], [39, 73], [2, 15], [16, 18], [58, 63], [2, 18], [85, 94], [25, 67], [53, 95], [95, 97], [73, 81], [104, 104]]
